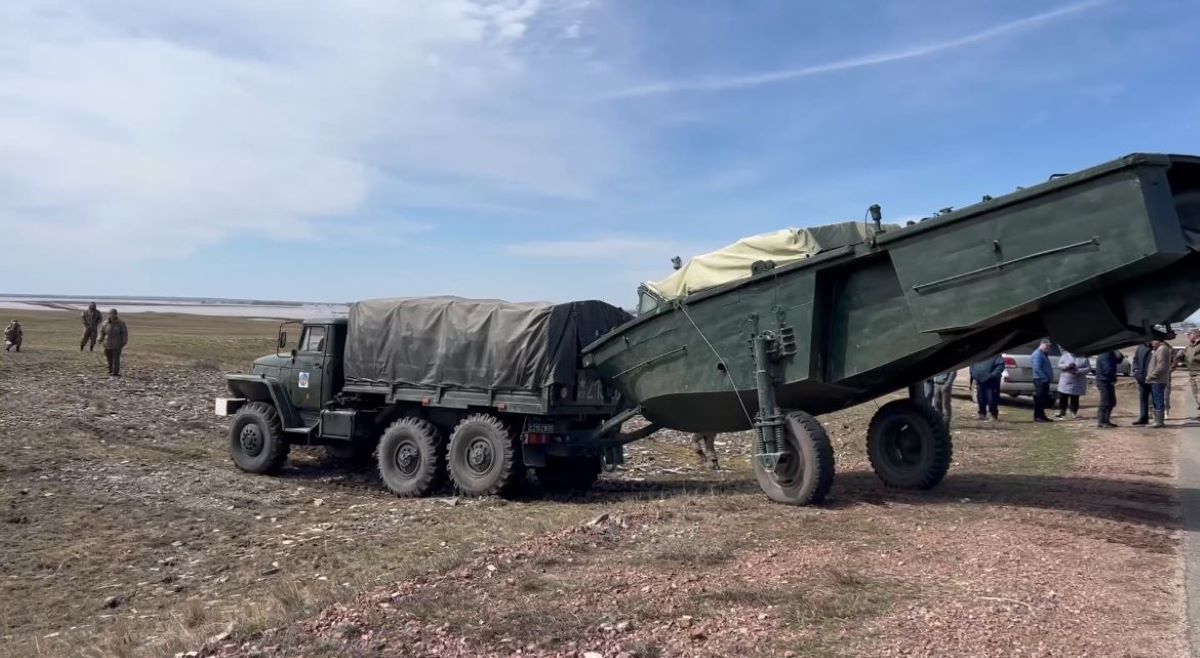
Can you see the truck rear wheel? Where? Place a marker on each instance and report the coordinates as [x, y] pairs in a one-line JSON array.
[[483, 457], [256, 439], [410, 458], [805, 470], [568, 474], [909, 445]]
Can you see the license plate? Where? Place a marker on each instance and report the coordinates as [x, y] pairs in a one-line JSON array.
[[540, 428]]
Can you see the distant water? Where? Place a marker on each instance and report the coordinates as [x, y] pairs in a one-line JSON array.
[[222, 308]]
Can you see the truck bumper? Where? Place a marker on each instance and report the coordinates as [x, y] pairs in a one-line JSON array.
[[228, 406]]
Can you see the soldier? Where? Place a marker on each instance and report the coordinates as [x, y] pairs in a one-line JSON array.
[[1191, 359], [706, 451], [91, 327], [943, 387], [113, 337], [13, 336]]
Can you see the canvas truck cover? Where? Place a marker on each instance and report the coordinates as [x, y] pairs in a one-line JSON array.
[[733, 262], [477, 344]]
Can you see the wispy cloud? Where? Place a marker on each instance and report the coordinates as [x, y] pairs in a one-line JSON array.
[[607, 248], [726, 83], [155, 129]]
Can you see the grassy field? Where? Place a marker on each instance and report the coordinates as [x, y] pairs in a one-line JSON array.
[[126, 531]]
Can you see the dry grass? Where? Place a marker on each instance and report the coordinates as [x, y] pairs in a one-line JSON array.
[[145, 504]]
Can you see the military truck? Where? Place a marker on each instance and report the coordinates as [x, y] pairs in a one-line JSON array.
[[476, 391]]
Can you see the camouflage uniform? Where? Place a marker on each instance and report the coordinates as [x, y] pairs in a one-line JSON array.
[[1191, 359], [113, 336], [706, 451], [13, 336], [91, 327]]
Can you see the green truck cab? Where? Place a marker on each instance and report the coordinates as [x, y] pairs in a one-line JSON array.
[[475, 392]]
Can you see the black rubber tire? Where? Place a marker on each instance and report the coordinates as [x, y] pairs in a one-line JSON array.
[[483, 457], [411, 458], [256, 439], [805, 475], [909, 445], [568, 475]]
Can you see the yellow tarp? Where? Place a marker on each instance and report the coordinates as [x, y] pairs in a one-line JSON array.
[[733, 262]]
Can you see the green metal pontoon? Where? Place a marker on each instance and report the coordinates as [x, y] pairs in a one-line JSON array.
[[1096, 260]]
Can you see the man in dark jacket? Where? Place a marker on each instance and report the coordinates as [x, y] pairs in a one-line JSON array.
[[1140, 365], [91, 327], [1106, 383], [1043, 374], [987, 375], [113, 337]]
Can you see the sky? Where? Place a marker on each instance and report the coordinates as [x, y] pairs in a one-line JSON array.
[[532, 149]]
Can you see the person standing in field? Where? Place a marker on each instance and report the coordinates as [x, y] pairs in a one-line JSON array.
[[14, 335], [1072, 383], [943, 386], [1043, 372], [1191, 360], [706, 449], [91, 327], [1158, 374], [987, 375], [114, 335], [1139, 369], [1106, 382]]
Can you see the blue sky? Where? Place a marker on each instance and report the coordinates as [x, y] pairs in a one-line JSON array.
[[536, 150]]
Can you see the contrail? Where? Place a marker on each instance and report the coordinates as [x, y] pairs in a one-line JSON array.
[[754, 80]]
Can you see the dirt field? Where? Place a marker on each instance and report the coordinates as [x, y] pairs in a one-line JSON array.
[[126, 531]]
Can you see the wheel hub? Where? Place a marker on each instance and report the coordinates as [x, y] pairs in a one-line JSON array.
[[408, 459], [479, 455], [251, 440], [905, 445]]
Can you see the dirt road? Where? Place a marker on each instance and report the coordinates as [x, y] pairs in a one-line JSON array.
[[125, 531]]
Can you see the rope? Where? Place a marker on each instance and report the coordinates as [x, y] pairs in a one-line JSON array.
[[721, 360]]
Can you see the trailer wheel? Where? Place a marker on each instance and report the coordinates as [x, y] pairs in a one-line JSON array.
[[805, 470], [562, 475], [483, 457], [909, 445], [256, 439], [410, 458]]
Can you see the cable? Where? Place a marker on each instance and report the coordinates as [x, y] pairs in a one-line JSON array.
[[721, 360]]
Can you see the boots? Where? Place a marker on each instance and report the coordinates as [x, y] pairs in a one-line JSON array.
[[1158, 418], [1108, 418]]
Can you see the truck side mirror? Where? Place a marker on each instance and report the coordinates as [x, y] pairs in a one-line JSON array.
[[282, 339]]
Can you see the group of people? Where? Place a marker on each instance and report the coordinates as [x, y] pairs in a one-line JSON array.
[[1151, 368], [110, 332]]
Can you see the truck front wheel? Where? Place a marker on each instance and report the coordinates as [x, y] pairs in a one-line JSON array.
[[483, 457], [256, 439], [410, 457]]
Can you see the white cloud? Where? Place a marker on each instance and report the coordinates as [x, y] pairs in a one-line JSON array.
[[151, 129], [770, 77], [606, 248], [572, 31]]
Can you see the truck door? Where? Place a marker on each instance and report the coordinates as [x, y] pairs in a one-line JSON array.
[[307, 385]]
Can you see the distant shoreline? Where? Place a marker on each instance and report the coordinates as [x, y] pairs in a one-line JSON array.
[[240, 308]]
